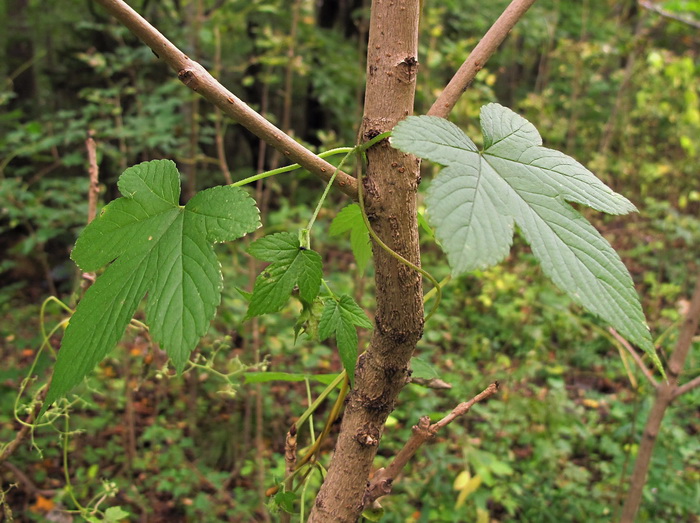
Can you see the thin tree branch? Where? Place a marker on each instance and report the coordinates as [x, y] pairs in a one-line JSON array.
[[687, 387], [290, 461], [636, 357], [685, 338], [478, 57], [667, 14], [94, 172], [13, 445], [430, 383], [197, 78], [27, 483], [665, 394], [382, 482]]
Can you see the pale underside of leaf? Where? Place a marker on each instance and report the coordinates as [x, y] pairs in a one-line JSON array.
[[477, 198]]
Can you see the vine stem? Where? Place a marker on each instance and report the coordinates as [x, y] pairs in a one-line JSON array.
[[327, 189], [288, 168]]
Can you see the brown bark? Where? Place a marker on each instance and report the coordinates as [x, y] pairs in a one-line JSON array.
[[391, 184]]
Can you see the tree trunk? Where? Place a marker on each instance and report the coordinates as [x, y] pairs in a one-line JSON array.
[[390, 184]]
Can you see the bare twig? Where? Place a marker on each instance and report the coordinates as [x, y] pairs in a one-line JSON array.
[[13, 445], [197, 78], [430, 383], [382, 482], [290, 454], [27, 483], [478, 57], [636, 357], [667, 14], [94, 172], [687, 387], [290, 461], [665, 394]]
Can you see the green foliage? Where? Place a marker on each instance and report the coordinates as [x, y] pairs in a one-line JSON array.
[[477, 198], [291, 266], [340, 317], [566, 419], [153, 245], [350, 219]]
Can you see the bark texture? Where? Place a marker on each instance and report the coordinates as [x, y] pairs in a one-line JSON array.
[[390, 186]]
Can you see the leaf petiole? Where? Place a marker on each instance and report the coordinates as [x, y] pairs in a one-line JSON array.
[[288, 168]]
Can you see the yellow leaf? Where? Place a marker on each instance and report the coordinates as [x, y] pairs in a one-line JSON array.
[[467, 489], [482, 515], [591, 404], [462, 479]]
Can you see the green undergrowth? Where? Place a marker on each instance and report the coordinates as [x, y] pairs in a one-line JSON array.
[[554, 445]]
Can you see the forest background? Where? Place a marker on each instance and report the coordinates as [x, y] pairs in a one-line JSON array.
[[612, 83]]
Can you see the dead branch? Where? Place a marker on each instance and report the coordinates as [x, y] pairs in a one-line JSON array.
[[479, 56], [382, 482], [94, 172], [197, 78]]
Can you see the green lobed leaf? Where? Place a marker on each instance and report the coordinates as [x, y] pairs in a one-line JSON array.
[[155, 246], [350, 219], [291, 265], [479, 196], [339, 319]]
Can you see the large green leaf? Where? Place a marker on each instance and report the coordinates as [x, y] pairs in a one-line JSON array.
[[479, 196], [291, 265], [154, 246]]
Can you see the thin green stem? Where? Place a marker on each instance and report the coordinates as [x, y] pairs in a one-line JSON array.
[[432, 292], [294, 166], [327, 189], [335, 411], [330, 291], [320, 399], [66, 474], [311, 417], [366, 145]]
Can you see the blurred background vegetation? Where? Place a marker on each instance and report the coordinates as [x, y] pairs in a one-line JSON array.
[[608, 82]]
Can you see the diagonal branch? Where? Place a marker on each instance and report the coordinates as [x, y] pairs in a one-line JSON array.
[[687, 387], [28, 424], [478, 57], [382, 482], [197, 78], [667, 14], [636, 357]]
